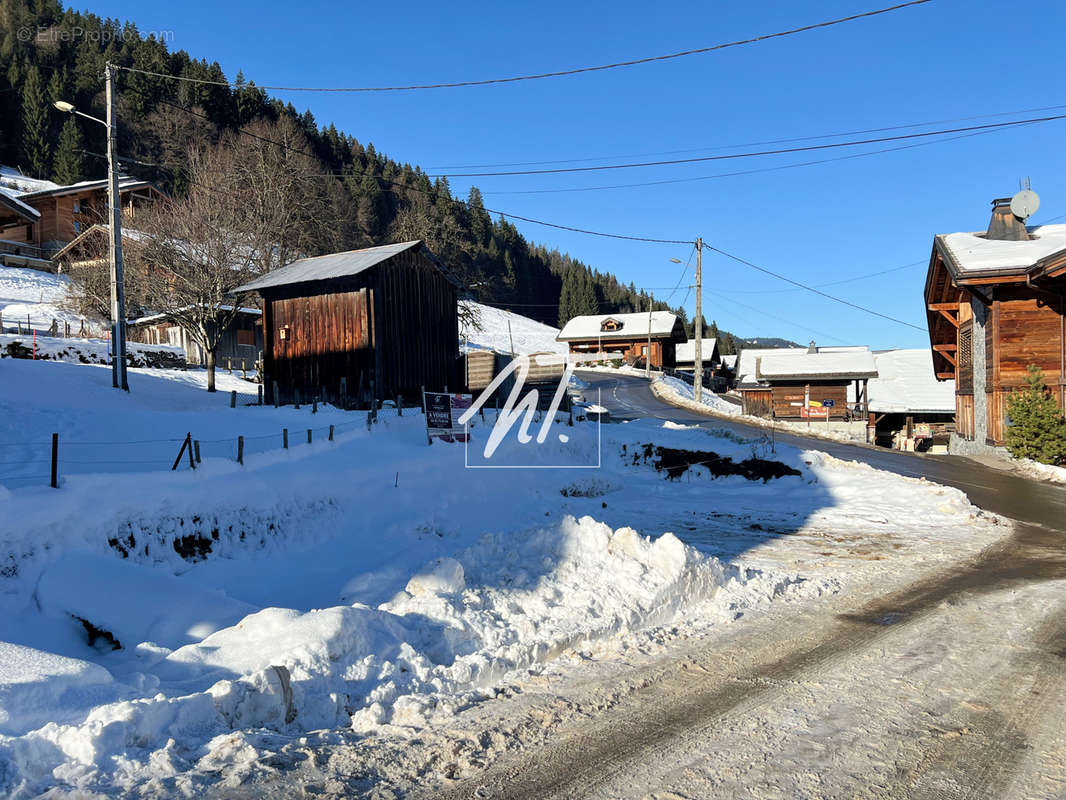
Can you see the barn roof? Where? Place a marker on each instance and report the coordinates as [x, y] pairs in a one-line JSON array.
[[749, 363], [631, 325], [335, 265], [906, 383], [818, 366], [686, 351]]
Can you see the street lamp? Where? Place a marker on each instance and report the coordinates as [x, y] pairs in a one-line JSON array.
[[118, 299]]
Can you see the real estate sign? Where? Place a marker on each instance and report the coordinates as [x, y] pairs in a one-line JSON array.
[[442, 416]]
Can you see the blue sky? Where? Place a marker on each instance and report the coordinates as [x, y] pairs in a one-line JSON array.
[[819, 224]]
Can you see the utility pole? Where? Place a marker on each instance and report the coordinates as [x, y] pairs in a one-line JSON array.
[[697, 383], [647, 355], [118, 296]]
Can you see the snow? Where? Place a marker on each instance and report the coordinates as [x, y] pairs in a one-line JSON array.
[[853, 364], [683, 393], [36, 295], [370, 584], [748, 358], [18, 184], [686, 351], [661, 323], [489, 331], [12, 196], [974, 253], [906, 383]]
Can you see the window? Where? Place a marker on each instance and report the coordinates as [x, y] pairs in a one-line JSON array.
[[610, 324], [77, 226], [77, 207]]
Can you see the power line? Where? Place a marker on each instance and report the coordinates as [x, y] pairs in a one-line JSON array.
[[541, 75], [923, 262], [755, 153], [774, 316], [756, 144], [738, 173], [747, 263]]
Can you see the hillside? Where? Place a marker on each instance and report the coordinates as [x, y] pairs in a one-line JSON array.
[[377, 199]]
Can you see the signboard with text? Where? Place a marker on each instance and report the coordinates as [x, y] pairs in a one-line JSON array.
[[442, 416]]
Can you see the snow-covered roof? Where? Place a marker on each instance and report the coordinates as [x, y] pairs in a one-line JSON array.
[[333, 265], [847, 365], [972, 252], [159, 317], [730, 361], [751, 358], [906, 383], [686, 351], [591, 327], [125, 183], [10, 200], [18, 184]]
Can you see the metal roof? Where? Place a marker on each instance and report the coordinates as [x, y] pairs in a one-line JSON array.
[[334, 265]]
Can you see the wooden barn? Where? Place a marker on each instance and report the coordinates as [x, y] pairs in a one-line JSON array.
[[805, 383], [239, 347], [630, 334], [376, 323], [995, 305]]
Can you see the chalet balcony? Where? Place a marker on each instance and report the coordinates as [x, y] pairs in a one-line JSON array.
[[20, 254]]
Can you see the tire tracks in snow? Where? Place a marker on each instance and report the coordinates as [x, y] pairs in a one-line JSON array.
[[688, 703]]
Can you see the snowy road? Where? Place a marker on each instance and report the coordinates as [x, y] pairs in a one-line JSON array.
[[945, 685]]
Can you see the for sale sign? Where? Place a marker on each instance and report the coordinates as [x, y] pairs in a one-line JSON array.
[[442, 416]]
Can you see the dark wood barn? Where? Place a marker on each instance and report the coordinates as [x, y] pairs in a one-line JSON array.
[[239, 347], [995, 304], [381, 322]]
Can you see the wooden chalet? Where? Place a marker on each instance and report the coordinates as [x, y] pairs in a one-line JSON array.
[[995, 305], [716, 374], [36, 224], [805, 383], [347, 327], [629, 334], [239, 347]]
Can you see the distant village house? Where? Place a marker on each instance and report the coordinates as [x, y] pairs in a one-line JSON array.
[[636, 336]]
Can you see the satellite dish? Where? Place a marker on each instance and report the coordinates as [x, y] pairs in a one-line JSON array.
[[1024, 204]]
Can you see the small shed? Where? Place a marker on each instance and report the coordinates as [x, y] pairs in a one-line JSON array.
[[804, 383], [239, 347], [637, 336], [347, 327], [909, 408]]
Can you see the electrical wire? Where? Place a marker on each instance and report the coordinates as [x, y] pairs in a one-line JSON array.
[[541, 75], [755, 153], [826, 295]]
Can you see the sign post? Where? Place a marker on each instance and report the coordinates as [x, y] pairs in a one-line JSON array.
[[442, 416]]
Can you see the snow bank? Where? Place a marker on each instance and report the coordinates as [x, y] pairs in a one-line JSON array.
[[682, 393]]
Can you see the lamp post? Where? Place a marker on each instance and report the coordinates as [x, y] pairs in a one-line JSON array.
[[118, 299]]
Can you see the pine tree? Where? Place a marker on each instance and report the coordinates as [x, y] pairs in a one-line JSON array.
[[1036, 429], [69, 164], [36, 147], [566, 299]]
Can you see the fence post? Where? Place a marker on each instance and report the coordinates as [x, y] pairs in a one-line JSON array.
[[240, 450], [309, 436], [186, 442], [296, 398], [331, 433], [423, 398], [55, 460], [399, 405], [229, 365], [314, 406], [277, 394], [233, 399], [285, 438], [259, 394], [196, 449], [192, 462]]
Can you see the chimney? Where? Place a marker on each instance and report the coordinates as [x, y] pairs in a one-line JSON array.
[[1004, 226], [811, 349]]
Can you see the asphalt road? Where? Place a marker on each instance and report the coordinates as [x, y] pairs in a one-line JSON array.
[[949, 686], [1000, 491]]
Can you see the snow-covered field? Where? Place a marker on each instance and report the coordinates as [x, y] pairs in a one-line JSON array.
[[35, 299], [164, 632], [488, 330]]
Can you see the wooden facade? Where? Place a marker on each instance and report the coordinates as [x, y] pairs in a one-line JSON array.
[[240, 346], [988, 325], [66, 212], [381, 324], [632, 337]]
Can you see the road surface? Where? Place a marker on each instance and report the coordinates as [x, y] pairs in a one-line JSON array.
[[949, 687]]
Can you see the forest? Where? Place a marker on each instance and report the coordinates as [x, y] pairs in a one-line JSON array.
[[368, 197]]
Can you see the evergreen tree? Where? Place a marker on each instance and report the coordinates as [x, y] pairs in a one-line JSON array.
[[566, 299], [36, 149], [69, 165], [1036, 429]]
